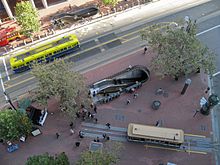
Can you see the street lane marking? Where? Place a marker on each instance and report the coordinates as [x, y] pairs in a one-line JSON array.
[[205, 31], [195, 135], [121, 38], [177, 150], [20, 82]]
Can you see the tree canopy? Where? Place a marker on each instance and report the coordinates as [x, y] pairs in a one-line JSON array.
[[110, 2], [108, 156], [14, 124], [178, 50], [57, 80], [27, 16], [47, 159]]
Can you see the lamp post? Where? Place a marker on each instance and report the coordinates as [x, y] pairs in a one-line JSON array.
[[7, 98]]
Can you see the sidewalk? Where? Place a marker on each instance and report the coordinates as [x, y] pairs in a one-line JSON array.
[[176, 111]]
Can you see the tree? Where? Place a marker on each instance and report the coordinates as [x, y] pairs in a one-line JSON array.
[[178, 50], [27, 16], [14, 124], [110, 155], [57, 80], [47, 159], [110, 2]]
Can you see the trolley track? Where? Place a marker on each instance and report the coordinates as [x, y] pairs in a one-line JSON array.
[[192, 143]]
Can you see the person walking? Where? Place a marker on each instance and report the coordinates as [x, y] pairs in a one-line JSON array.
[[96, 120], [95, 109], [97, 139], [77, 144], [104, 136], [57, 135], [71, 125], [81, 135], [135, 95], [145, 50], [128, 101], [71, 131], [108, 125]]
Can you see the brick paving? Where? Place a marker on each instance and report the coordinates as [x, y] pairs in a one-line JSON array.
[[176, 111]]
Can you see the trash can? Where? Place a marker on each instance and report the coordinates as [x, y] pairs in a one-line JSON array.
[[156, 104]]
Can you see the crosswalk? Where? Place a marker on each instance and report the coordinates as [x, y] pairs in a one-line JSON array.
[[192, 143]]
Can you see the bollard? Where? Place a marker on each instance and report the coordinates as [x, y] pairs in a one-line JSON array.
[[38, 36], [121, 8], [32, 40], [24, 42]]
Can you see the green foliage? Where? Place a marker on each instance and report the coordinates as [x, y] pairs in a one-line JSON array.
[[14, 124], [57, 80], [27, 17], [179, 52], [109, 155], [46, 159], [110, 2]]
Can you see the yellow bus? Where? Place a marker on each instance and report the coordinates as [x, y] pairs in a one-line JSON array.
[[48, 51], [155, 135]]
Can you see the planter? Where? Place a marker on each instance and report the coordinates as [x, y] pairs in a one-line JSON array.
[[156, 104]]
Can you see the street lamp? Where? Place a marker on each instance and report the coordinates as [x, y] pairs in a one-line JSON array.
[[7, 98]]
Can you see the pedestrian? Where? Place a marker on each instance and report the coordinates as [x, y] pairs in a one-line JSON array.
[[97, 139], [77, 144], [92, 105], [145, 50], [81, 135], [108, 125], [71, 131], [135, 95], [89, 114], [95, 109], [71, 125], [157, 123], [57, 135], [96, 120], [130, 66], [128, 101], [107, 138], [206, 91], [77, 115], [104, 136]]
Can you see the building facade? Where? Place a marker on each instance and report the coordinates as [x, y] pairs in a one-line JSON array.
[[7, 6]]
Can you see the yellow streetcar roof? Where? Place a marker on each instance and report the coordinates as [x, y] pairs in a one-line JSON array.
[[155, 132], [43, 47]]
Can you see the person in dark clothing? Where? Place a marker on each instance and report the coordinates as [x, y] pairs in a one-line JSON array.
[[95, 109], [77, 115], [108, 125], [81, 135], [145, 50], [71, 125], [104, 136], [77, 144], [57, 135]]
